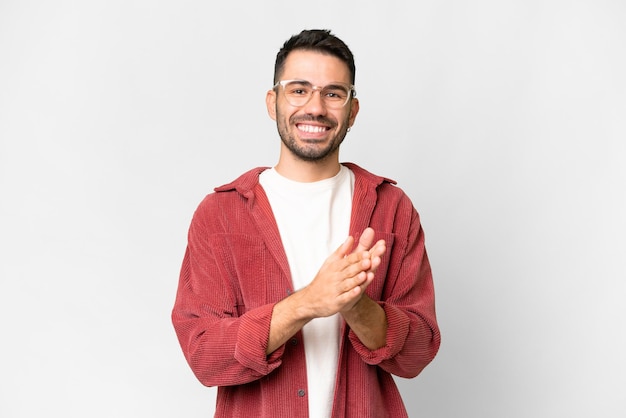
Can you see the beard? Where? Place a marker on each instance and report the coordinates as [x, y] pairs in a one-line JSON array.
[[310, 151]]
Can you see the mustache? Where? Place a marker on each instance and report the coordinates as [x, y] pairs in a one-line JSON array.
[[309, 118]]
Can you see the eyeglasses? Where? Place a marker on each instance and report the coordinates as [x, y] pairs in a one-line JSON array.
[[299, 92]]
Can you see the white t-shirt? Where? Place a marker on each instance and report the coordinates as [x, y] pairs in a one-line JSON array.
[[313, 220]]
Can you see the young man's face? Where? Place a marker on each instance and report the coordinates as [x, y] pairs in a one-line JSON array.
[[312, 131]]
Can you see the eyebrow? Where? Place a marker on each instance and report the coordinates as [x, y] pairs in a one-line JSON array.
[[301, 81], [336, 84], [332, 84]]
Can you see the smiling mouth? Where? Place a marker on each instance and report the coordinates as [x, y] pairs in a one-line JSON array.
[[312, 129]]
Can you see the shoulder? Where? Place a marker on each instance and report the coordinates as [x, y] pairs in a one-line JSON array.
[[362, 174], [229, 195], [245, 182]]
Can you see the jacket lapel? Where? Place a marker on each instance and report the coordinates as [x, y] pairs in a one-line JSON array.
[[264, 217]]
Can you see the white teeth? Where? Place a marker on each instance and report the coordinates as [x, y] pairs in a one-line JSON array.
[[311, 128]]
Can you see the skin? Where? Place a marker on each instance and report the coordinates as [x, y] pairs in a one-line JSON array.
[[307, 156]]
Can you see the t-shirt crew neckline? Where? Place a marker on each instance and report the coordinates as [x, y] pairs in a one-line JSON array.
[[289, 187]]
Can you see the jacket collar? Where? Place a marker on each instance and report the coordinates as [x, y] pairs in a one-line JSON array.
[[246, 183]]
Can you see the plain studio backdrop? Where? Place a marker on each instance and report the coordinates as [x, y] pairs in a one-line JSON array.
[[504, 121]]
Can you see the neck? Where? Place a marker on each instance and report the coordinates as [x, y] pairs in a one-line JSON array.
[[308, 171]]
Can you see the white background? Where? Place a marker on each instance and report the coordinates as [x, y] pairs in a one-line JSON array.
[[504, 121]]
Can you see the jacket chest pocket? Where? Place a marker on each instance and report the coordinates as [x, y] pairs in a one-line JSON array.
[[248, 270]]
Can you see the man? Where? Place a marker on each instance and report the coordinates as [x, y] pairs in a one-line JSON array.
[[278, 304]]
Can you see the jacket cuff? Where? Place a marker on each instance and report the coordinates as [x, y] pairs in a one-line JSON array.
[[397, 333], [252, 339]]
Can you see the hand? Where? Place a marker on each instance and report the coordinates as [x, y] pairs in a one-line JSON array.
[[337, 287], [375, 252], [343, 277]]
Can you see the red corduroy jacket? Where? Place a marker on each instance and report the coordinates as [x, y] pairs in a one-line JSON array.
[[235, 270]]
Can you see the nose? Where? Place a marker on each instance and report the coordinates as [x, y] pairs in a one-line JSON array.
[[315, 105]]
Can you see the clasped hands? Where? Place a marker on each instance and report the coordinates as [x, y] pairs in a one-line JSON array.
[[338, 287], [341, 281]]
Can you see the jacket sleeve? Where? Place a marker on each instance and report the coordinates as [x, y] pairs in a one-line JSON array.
[[223, 342], [408, 300]]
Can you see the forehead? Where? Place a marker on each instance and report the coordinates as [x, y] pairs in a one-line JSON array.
[[317, 67]]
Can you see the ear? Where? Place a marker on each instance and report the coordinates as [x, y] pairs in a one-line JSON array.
[[354, 110], [270, 102]]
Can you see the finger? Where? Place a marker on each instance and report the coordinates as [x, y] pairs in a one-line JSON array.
[[378, 249], [368, 281], [366, 240], [375, 262], [359, 287], [355, 283], [355, 258], [353, 263]]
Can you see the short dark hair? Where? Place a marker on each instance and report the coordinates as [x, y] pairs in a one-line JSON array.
[[319, 40]]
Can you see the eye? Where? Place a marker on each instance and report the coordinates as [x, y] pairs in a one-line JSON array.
[[297, 89], [335, 93]]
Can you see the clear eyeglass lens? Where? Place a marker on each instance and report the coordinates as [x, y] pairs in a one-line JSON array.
[[298, 93]]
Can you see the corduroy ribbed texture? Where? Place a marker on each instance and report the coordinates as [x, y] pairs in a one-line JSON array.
[[235, 270]]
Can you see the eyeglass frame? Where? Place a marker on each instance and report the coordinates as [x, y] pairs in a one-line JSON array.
[[351, 91]]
